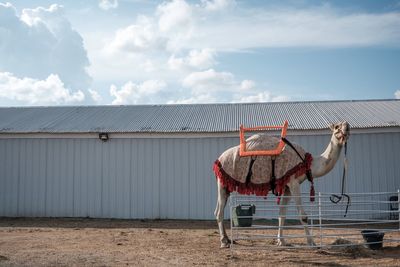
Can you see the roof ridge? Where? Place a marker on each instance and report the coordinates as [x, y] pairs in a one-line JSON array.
[[212, 104]]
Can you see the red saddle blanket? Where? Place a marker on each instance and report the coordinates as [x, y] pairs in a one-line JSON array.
[[231, 169]]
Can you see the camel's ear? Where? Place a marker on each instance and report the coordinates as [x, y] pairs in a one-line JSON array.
[[332, 127]]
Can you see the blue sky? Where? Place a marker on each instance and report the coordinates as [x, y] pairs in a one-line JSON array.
[[205, 51]]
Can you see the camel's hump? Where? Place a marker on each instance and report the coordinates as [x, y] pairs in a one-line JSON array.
[[238, 167], [261, 142]]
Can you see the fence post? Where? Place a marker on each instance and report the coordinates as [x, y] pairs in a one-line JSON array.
[[398, 206], [231, 205], [312, 205], [320, 218]]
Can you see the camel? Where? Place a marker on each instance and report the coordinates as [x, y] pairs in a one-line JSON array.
[[290, 172]]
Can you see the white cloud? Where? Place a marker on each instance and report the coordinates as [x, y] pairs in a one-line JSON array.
[[178, 27], [37, 92], [210, 80], [173, 15], [215, 5], [136, 38], [207, 86], [131, 93], [246, 85], [173, 43], [176, 21], [211, 86], [166, 30], [203, 98], [95, 96], [260, 97], [397, 94], [52, 18], [184, 26], [8, 21], [311, 27], [108, 4], [199, 59], [149, 66], [42, 42], [176, 63]]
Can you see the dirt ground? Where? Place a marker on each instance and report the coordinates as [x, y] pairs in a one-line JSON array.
[[95, 242]]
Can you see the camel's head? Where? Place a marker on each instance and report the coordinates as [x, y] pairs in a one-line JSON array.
[[341, 131]]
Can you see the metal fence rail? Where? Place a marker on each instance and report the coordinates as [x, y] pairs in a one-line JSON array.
[[329, 223]]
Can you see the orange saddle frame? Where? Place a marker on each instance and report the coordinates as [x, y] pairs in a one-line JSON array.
[[274, 152]]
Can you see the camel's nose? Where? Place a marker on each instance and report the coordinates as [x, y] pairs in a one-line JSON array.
[[346, 129]]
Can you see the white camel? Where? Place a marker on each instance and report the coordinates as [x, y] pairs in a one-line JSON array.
[[320, 165]]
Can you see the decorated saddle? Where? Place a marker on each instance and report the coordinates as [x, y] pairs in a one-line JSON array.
[[252, 174]]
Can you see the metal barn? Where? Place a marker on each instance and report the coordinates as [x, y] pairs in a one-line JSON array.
[[155, 161]]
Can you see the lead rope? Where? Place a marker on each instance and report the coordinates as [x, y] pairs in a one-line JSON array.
[[337, 198]]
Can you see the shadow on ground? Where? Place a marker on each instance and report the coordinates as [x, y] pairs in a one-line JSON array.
[[106, 223]]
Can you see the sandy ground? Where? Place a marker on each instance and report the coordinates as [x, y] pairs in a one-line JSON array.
[[93, 242]]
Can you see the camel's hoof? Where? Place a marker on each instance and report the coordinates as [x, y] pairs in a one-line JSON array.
[[281, 243], [284, 244], [310, 242], [225, 242], [231, 242], [225, 245]]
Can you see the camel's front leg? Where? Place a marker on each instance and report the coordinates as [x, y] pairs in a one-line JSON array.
[[295, 190], [282, 216], [219, 214]]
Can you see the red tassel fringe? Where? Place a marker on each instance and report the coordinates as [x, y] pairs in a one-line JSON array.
[[262, 189]]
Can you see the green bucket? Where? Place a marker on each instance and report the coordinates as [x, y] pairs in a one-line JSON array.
[[243, 215]]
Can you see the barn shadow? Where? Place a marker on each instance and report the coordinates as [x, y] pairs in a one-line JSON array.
[[80, 223]]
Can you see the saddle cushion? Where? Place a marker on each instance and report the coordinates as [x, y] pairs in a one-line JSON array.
[[232, 169]]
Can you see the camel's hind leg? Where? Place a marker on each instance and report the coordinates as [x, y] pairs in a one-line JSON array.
[[219, 214], [282, 216], [294, 187]]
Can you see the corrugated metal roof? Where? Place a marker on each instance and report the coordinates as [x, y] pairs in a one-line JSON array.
[[198, 117]]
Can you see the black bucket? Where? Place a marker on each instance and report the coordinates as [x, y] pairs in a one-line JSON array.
[[243, 215], [373, 238]]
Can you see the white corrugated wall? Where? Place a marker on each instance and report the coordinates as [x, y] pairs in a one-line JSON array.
[[156, 177]]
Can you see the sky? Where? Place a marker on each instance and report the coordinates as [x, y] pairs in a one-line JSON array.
[[124, 52]]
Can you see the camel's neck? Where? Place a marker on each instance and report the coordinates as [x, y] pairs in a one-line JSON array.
[[324, 163]]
